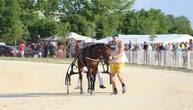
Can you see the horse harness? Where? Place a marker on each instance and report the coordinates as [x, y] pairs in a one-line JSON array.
[[84, 58]]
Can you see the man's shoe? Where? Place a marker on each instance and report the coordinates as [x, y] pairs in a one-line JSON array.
[[123, 89], [78, 87], [102, 87]]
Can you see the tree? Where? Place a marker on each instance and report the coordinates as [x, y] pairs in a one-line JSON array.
[[171, 22], [106, 25], [78, 23], [182, 25], [16, 32], [48, 7], [63, 29], [91, 30], [9, 16]]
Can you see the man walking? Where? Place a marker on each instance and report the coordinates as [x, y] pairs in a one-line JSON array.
[[118, 59], [21, 49]]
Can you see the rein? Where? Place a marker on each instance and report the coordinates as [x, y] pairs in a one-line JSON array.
[[92, 59]]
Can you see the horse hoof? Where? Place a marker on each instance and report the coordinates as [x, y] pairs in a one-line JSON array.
[[81, 92], [91, 92]]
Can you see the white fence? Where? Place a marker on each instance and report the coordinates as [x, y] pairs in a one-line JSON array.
[[164, 58]]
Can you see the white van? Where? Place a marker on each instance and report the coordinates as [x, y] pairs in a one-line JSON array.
[[2, 43]]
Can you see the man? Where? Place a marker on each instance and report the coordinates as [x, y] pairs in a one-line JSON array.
[[174, 47], [145, 46], [182, 45], [161, 47], [77, 48], [130, 46], [191, 45], [21, 49], [118, 59], [100, 77], [169, 47], [39, 47]]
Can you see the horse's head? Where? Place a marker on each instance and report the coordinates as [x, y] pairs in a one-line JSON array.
[[106, 52]]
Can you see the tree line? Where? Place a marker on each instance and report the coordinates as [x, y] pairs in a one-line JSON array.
[[20, 20]]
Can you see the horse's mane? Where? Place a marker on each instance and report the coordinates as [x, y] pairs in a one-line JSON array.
[[95, 45]]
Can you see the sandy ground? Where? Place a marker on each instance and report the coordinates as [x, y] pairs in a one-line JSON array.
[[40, 86]]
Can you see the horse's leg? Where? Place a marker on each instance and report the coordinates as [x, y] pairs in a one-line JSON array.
[[93, 79], [89, 81], [80, 76], [88, 77]]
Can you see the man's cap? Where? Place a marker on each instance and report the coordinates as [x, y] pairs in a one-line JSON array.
[[115, 34]]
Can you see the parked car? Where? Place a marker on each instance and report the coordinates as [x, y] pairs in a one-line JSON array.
[[2, 43], [31, 53], [6, 50]]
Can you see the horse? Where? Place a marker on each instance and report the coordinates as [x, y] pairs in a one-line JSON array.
[[90, 57]]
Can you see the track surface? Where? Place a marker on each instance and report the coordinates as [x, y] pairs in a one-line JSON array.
[[40, 86]]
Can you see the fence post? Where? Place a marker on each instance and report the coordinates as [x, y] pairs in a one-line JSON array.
[[188, 59], [171, 58], [137, 57], [179, 57], [133, 57]]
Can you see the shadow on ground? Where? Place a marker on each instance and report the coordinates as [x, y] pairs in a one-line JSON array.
[[15, 95]]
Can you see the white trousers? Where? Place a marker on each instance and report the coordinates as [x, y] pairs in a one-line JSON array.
[[99, 74]]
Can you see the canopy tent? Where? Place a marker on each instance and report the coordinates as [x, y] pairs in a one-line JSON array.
[[54, 38], [74, 36], [166, 38]]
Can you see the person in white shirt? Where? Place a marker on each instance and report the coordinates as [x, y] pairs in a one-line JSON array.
[[100, 77]]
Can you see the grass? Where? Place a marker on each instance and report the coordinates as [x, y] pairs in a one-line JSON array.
[[69, 60], [43, 60]]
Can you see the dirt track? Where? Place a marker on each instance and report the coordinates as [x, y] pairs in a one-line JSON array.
[[40, 86]]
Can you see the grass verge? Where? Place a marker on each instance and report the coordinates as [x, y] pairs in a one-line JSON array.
[[42, 60]]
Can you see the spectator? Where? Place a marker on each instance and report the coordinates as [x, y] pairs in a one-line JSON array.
[[130, 46], [149, 48], [68, 51], [59, 45], [161, 47], [45, 51], [72, 49], [51, 49], [186, 46], [182, 45], [169, 47], [145, 46], [126, 47], [21, 49], [33, 46], [100, 78], [178, 47], [39, 47], [77, 48], [174, 47], [191, 45]]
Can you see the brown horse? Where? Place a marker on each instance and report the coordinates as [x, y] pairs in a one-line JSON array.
[[89, 57]]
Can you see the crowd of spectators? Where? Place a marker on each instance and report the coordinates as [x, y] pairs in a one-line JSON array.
[[182, 46], [47, 48]]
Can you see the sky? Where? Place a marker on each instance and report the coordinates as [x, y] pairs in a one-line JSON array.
[[175, 7]]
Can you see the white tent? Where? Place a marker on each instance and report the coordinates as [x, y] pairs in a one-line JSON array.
[[165, 38], [74, 36]]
